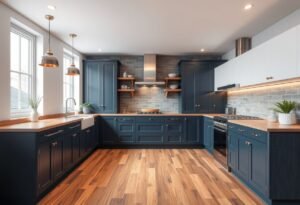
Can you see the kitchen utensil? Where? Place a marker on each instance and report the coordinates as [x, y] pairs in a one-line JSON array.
[[150, 110], [173, 86]]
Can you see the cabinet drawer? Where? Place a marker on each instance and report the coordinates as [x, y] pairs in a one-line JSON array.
[[174, 127], [126, 127], [149, 139], [125, 119], [258, 135], [174, 119], [52, 133], [150, 127], [74, 127], [150, 119]]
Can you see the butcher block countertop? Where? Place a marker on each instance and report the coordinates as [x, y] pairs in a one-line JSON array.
[[266, 126], [46, 124], [39, 126]]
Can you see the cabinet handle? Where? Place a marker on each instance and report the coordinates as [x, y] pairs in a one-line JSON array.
[[74, 126], [185, 119], [88, 131], [74, 135], [269, 78], [241, 130], [54, 133], [248, 143], [54, 144], [150, 119], [167, 125]]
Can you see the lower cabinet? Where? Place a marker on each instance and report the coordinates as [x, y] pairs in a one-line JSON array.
[[208, 133], [248, 156], [150, 130]]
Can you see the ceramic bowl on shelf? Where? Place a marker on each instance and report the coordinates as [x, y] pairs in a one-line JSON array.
[[172, 75], [130, 76], [173, 87]]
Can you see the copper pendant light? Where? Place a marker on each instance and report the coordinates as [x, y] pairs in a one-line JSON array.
[[48, 60], [73, 70]]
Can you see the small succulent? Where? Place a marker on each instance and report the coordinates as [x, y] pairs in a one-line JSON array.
[[285, 106]]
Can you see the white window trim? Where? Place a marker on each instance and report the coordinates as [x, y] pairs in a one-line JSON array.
[[22, 32]]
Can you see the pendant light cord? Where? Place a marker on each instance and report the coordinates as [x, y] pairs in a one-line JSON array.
[[72, 50], [49, 36]]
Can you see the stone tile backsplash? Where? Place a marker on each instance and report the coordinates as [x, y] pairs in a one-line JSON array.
[[258, 103]]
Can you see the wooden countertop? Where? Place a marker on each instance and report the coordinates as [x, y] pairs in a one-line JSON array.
[[45, 124], [266, 126], [39, 126]]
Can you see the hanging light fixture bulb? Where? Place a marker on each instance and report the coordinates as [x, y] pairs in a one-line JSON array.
[[48, 60], [72, 70]]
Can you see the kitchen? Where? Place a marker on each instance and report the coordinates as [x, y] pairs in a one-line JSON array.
[[146, 107]]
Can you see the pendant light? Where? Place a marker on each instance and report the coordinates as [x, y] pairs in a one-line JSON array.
[[48, 60], [72, 70]]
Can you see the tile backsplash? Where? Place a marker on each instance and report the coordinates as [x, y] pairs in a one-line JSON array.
[[150, 97], [258, 103]]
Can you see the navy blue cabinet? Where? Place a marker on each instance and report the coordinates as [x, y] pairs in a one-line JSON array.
[[208, 133], [150, 130], [100, 85], [198, 86], [248, 156]]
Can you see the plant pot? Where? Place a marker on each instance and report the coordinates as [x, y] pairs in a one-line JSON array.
[[287, 118], [86, 110], [34, 116]]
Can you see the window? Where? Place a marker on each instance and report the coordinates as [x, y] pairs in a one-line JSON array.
[[71, 83], [22, 70]]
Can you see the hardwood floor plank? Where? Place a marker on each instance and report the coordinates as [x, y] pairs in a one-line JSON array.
[[150, 177]]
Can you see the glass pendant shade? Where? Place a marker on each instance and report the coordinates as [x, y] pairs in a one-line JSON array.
[[73, 70], [48, 60]]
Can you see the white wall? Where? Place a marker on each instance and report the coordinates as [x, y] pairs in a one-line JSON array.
[[281, 26], [52, 82]]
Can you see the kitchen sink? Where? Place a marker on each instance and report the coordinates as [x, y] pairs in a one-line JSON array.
[[86, 120]]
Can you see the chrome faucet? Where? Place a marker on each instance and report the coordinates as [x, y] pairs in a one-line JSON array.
[[67, 100]]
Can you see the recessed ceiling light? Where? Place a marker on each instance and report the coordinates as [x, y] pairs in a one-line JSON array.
[[202, 50], [51, 7], [99, 50], [248, 7]]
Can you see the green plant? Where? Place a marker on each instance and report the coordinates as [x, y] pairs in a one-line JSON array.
[[285, 106], [34, 102], [86, 105]]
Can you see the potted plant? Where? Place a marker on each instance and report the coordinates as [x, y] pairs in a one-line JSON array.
[[86, 108], [286, 112], [34, 104]]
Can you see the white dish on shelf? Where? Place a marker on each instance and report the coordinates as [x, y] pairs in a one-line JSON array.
[[172, 75], [130, 76], [173, 87]]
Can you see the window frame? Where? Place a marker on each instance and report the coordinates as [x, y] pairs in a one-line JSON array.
[[66, 54], [32, 72]]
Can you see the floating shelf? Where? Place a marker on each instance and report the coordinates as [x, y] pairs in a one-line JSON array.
[[173, 79], [131, 91], [126, 79], [167, 91]]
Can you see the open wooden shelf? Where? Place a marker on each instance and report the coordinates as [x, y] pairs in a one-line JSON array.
[[131, 91], [168, 91], [126, 79], [173, 79]]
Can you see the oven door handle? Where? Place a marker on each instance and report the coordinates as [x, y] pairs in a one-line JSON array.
[[220, 130]]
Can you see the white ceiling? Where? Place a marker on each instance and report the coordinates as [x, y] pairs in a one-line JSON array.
[[155, 26]]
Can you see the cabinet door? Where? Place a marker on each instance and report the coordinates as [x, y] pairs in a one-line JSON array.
[[188, 85], [57, 158], [126, 130], [149, 132], [93, 83], [258, 169], [174, 133], [109, 87], [44, 166], [109, 134], [75, 147], [83, 143], [67, 151], [232, 150], [192, 134], [243, 157]]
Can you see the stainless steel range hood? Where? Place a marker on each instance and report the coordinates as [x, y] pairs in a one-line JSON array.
[[150, 71]]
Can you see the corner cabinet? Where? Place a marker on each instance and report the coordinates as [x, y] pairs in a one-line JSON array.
[[100, 85], [198, 88]]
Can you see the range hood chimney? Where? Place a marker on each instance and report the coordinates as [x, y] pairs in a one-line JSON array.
[[242, 45], [150, 71]]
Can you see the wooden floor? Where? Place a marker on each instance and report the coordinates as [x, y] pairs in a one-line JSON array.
[[150, 176]]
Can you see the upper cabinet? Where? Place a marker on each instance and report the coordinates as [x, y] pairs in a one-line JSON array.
[[276, 59], [100, 85], [197, 88]]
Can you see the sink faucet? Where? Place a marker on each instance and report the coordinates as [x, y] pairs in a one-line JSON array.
[[67, 100]]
